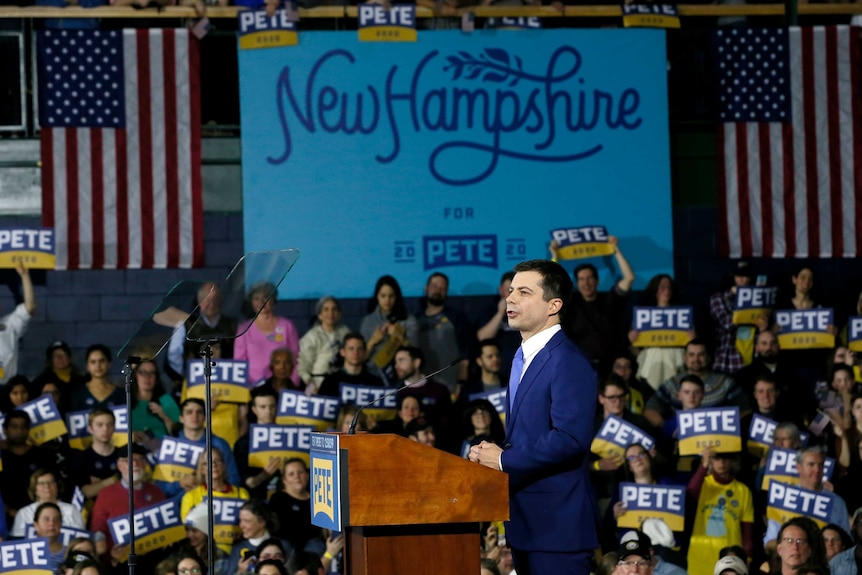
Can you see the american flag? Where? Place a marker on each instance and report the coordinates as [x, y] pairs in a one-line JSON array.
[[121, 147], [789, 142]]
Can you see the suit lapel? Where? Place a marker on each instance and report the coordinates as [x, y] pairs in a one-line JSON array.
[[530, 375]]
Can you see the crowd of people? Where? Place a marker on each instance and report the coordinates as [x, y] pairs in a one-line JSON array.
[[50, 490]]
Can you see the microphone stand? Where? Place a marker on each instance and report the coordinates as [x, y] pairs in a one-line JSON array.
[[206, 352], [129, 366]]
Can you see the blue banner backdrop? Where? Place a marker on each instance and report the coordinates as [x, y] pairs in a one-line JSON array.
[[458, 153]]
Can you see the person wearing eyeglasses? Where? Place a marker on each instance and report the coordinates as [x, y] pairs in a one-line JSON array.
[[810, 462], [799, 543], [190, 564], [635, 555]]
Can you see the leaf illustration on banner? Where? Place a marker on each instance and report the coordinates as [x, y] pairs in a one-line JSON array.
[[494, 65]]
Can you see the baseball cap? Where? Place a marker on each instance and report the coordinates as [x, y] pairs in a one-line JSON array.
[[634, 543], [658, 532], [743, 268], [197, 518], [58, 344], [732, 563]]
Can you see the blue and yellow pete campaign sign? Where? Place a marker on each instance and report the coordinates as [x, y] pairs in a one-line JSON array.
[[616, 434], [176, 459], [325, 470], [26, 556], [514, 23], [650, 16], [296, 408], [760, 434], [781, 466], [229, 380], [156, 526], [31, 247], [582, 242], [805, 328], [854, 333], [46, 423], [257, 30], [663, 502], [497, 397], [66, 533], [713, 427], [282, 441], [753, 302], [468, 123], [226, 520], [79, 433], [788, 501], [377, 24], [353, 394], [668, 326]]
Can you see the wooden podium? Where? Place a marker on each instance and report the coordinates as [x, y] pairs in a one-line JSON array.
[[410, 508]]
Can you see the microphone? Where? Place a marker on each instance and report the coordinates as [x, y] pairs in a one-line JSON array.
[[352, 429]]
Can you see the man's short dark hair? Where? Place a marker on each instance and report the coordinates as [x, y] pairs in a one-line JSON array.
[[485, 343], [613, 380], [692, 378], [766, 378], [16, 414], [697, 341], [193, 400], [555, 282], [263, 391], [353, 335], [583, 267], [415, 353], [438, 275], [300, 560]]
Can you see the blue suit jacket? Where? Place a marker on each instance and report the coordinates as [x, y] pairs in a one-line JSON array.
[[546, 453]]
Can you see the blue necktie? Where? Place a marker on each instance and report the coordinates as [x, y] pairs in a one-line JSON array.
[[515, 376]]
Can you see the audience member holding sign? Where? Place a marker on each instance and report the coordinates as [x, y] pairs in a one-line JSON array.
[[594, 320], [47, 521], [728, 359], [661, 329], [15, 326], [724, 514]]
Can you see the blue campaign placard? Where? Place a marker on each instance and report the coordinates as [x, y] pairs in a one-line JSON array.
[[176, 459], [616, 434], [377, 23], [417, 155], [854, 333], [714, 427], [642, 502], [786, 501], [760, 434], [156, 526], [582, 242], [31, 247], [66, 534], [355, 394], [325, 470], [280, 441], [46, 423], [296, 408], [752, 302], [781, 466], [27, 557], [668, 326], [228, 380], [805, 328]]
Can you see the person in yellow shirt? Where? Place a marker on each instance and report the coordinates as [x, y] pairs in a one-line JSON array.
[[221, 489], [725, 511]]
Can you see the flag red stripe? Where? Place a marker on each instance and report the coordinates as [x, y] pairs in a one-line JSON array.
[[171, 167], [47, 156], [834, 127], [766, 191], [74, 235], [145, 139], [97, 201]]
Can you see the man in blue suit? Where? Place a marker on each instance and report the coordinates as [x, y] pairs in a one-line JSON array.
[[549, 427]]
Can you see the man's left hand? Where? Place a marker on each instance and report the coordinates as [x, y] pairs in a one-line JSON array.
[[487, 454]]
